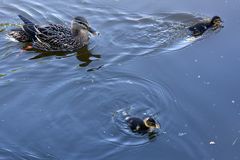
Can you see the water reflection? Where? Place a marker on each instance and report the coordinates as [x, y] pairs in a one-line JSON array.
[[84, 55]]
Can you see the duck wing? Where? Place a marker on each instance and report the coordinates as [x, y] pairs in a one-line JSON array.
[[53, 37], [25, 20], [28, 27]]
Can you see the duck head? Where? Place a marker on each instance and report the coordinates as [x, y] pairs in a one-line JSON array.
[[151, 123], [216, 22], [80, 27]]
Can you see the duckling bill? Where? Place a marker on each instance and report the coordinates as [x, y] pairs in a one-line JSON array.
[[142, 126], [54, 37], [199, 28]]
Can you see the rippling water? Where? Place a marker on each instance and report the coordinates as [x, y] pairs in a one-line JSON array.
[[72, 105]]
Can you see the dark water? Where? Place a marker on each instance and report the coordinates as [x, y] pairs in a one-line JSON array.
[[71, 106]]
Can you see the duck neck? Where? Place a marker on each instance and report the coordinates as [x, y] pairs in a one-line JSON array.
[[80, 34]]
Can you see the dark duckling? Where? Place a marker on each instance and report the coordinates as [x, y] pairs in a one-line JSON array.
[[54, 37], [142, 126], [199, 28]]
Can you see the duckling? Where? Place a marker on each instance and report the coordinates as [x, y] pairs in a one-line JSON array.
[[199, 28], [54, 37], [142, 126]]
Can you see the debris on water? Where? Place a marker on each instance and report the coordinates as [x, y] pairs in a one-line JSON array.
[[3, 26], [2, 75], [198, 76], [182, 134], [212, 143], [235, 141], [233, 101]]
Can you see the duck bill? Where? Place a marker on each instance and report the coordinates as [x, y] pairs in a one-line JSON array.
[[93, 31]]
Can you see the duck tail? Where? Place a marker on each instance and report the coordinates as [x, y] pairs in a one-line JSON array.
[[25, 20]]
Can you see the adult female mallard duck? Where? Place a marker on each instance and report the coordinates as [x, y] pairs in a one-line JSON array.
[[142, 126], [54, 37], [199, 28]]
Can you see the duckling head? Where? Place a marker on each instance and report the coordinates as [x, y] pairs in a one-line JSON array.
[[151, 123], [216, 22], [81, 27]]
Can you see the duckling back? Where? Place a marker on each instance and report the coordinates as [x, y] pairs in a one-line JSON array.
[[137, 125]]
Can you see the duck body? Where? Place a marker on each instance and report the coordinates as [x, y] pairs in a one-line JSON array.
[[20, 35], [137, 125], [54, 37], [199, 28], [141, 126]]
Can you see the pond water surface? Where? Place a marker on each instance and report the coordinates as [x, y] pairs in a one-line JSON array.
[[71, 106]]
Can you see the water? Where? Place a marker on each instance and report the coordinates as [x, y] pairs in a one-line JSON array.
[[71, 105]]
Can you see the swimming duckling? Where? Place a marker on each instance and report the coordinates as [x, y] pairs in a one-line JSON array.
[[142, 126], [54, 37], [199, 28]]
